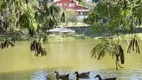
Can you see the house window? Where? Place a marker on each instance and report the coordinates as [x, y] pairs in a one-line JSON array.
[[65, 4], [59, 4], [71, 5], [82, 13]]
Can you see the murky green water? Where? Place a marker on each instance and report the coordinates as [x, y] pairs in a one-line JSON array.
[[19, 63]]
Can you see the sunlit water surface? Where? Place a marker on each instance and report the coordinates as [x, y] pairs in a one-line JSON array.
[[19, 63]]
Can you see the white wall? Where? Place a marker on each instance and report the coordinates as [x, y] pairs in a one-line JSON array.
[[56, 0]]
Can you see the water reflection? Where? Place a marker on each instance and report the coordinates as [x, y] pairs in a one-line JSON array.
[[40, 75]]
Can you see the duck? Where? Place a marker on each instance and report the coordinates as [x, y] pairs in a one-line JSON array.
[[98, 76], [82, 75], [62, 77]]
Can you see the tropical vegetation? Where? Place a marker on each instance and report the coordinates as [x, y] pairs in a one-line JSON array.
[[115, 17]]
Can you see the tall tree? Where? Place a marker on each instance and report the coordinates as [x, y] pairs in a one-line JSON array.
[[27, 14]]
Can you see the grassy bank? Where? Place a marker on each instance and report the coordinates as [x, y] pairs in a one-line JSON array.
[[65, 37]]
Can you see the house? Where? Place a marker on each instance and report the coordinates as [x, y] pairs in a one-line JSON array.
[[81, 10]]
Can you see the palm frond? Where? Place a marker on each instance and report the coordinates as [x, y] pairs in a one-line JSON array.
[[102, 53], [95, 49], [99, 50]]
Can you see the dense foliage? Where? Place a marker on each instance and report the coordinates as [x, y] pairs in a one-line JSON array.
[[27, 14], [114, 17], [82, 2], [30, 16]]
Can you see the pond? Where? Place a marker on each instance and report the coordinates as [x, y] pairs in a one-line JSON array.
[[18, 63]]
